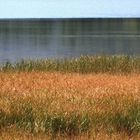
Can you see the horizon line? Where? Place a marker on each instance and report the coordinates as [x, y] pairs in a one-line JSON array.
[[34, 18]]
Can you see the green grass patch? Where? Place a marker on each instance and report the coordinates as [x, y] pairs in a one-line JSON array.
[[25, 116], [83, 64]]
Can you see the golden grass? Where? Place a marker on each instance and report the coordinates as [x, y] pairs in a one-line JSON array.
[[12, 135], [63, 89], [26, 82], [61, 93]]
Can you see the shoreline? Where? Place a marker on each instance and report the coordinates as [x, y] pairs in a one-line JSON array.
[[85, 64]]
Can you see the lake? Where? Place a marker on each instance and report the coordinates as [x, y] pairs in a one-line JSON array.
[[59, 38]]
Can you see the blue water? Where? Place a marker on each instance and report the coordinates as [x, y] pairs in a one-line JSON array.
[[36, 39]]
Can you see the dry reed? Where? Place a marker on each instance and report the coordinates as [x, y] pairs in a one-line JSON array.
[[65, 105]]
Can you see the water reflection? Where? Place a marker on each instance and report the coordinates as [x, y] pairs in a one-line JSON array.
[[68, 38]]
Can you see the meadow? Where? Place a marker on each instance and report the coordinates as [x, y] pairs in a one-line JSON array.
[[81, 98]]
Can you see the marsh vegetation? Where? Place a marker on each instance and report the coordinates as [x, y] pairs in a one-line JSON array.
[[83, 64], [82, 98]]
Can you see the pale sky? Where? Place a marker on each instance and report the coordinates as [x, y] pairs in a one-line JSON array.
[[69, 8]]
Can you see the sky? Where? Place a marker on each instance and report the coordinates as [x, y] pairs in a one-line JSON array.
[[69, 8]]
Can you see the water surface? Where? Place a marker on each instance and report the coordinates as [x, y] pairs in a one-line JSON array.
[[59, 38]]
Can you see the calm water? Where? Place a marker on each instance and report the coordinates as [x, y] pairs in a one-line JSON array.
[[59, 38]]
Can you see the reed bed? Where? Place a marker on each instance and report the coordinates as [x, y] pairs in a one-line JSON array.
[[56, 105], [83, 64]]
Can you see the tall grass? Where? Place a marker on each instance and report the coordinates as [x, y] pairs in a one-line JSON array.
[[70, 105], [26, 116], [83, 64]]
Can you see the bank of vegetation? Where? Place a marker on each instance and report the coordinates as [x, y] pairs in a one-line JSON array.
[[83, 64], [81, 98]]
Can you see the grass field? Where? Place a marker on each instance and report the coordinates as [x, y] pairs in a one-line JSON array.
[[81, 98], [59, 105]]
